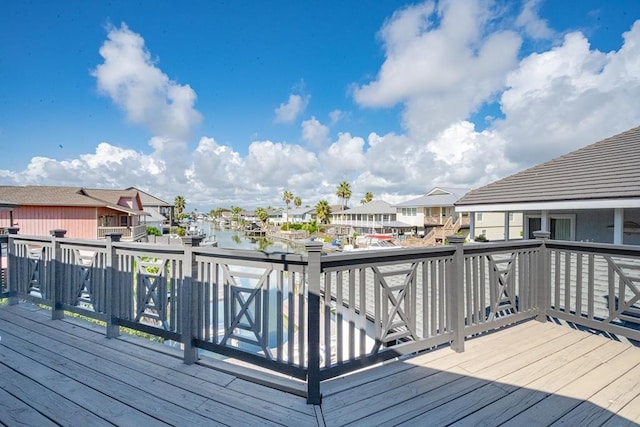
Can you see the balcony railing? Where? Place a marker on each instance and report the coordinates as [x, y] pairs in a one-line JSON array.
[[133, 233], [315, 317]]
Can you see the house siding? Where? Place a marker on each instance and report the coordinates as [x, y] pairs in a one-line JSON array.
[[596, 225], [80, 222]]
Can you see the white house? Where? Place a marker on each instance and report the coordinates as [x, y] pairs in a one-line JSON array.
[[591, 194], [299, 215], [377, 216]]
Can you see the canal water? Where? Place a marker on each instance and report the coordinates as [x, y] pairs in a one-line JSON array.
[[234, 239]]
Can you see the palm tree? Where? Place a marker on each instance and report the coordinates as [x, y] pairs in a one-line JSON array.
[[297, 202], [367, 198], [344, 193], [216, 213], [323, 210], [235, 211], [178, 205], [263, 215], [287, 196]]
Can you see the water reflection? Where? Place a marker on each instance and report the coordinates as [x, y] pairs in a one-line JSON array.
[[234, 239]]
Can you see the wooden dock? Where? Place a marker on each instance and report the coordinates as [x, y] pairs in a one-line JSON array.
[[65, 372]]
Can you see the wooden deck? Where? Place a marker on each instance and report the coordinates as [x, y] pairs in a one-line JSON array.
[[67, 373]]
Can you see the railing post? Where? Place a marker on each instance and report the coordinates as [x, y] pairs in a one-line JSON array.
[[456, 293], [544, 275], [113, 286], [3, 278], [314, 251], [188, 302], [55, 275], [12, 273]]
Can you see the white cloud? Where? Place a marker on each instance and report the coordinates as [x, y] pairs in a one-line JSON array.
[[108, 167], [534, 27], [149, 97], [314, 133], [132, 80], [344, 156], [440, 64], [569, 96], [336, 115], [289, 111]]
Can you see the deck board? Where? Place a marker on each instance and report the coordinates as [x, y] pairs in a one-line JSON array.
[[148, 381], [515, 376], [68, 373]]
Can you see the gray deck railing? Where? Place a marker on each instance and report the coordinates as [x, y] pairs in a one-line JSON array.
[[315, 317]]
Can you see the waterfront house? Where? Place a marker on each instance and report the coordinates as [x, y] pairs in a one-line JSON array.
[[433, 215], [83, 213], [377, 216], [299, 215], [591, 194], [160, 213]]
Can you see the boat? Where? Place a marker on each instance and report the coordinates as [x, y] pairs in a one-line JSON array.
[[371, 242]]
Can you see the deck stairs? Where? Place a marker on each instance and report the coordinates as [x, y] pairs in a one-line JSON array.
[[438, 235]]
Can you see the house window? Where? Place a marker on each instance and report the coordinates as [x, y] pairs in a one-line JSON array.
[[561, 227], [478, 216], [409, 211], [124, 221], [510, 216]]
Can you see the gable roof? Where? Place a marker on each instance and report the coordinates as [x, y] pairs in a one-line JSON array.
[[373, 207], [300, 211], [438, 196], [39, 195], [149, 200], [603, 174]]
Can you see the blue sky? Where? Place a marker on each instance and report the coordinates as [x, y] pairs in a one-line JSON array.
[[231, 103]]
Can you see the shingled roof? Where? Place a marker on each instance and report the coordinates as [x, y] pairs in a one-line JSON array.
[[38, 195], [149, 200], [439, 196], [607, 170]]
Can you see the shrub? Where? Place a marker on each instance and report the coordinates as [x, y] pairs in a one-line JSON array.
[[481, 238], [153, 231]]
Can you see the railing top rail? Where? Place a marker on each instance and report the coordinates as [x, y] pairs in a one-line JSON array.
[[149, 248], [477, 247], [24, 238], [591, 247], [100, 244], [251, 255], [385, 256]]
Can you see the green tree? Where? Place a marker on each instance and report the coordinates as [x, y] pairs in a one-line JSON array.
[[287, 197], [297, 202], [178, 205], [235, 211], [323, 210], [344, 192], [263, 216], [368, 196], [216, 213]]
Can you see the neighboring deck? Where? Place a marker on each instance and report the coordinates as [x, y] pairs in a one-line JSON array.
[[66, 372]]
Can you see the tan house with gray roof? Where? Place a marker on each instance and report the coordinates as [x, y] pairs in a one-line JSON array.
[[591, 194], [84, 213]]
